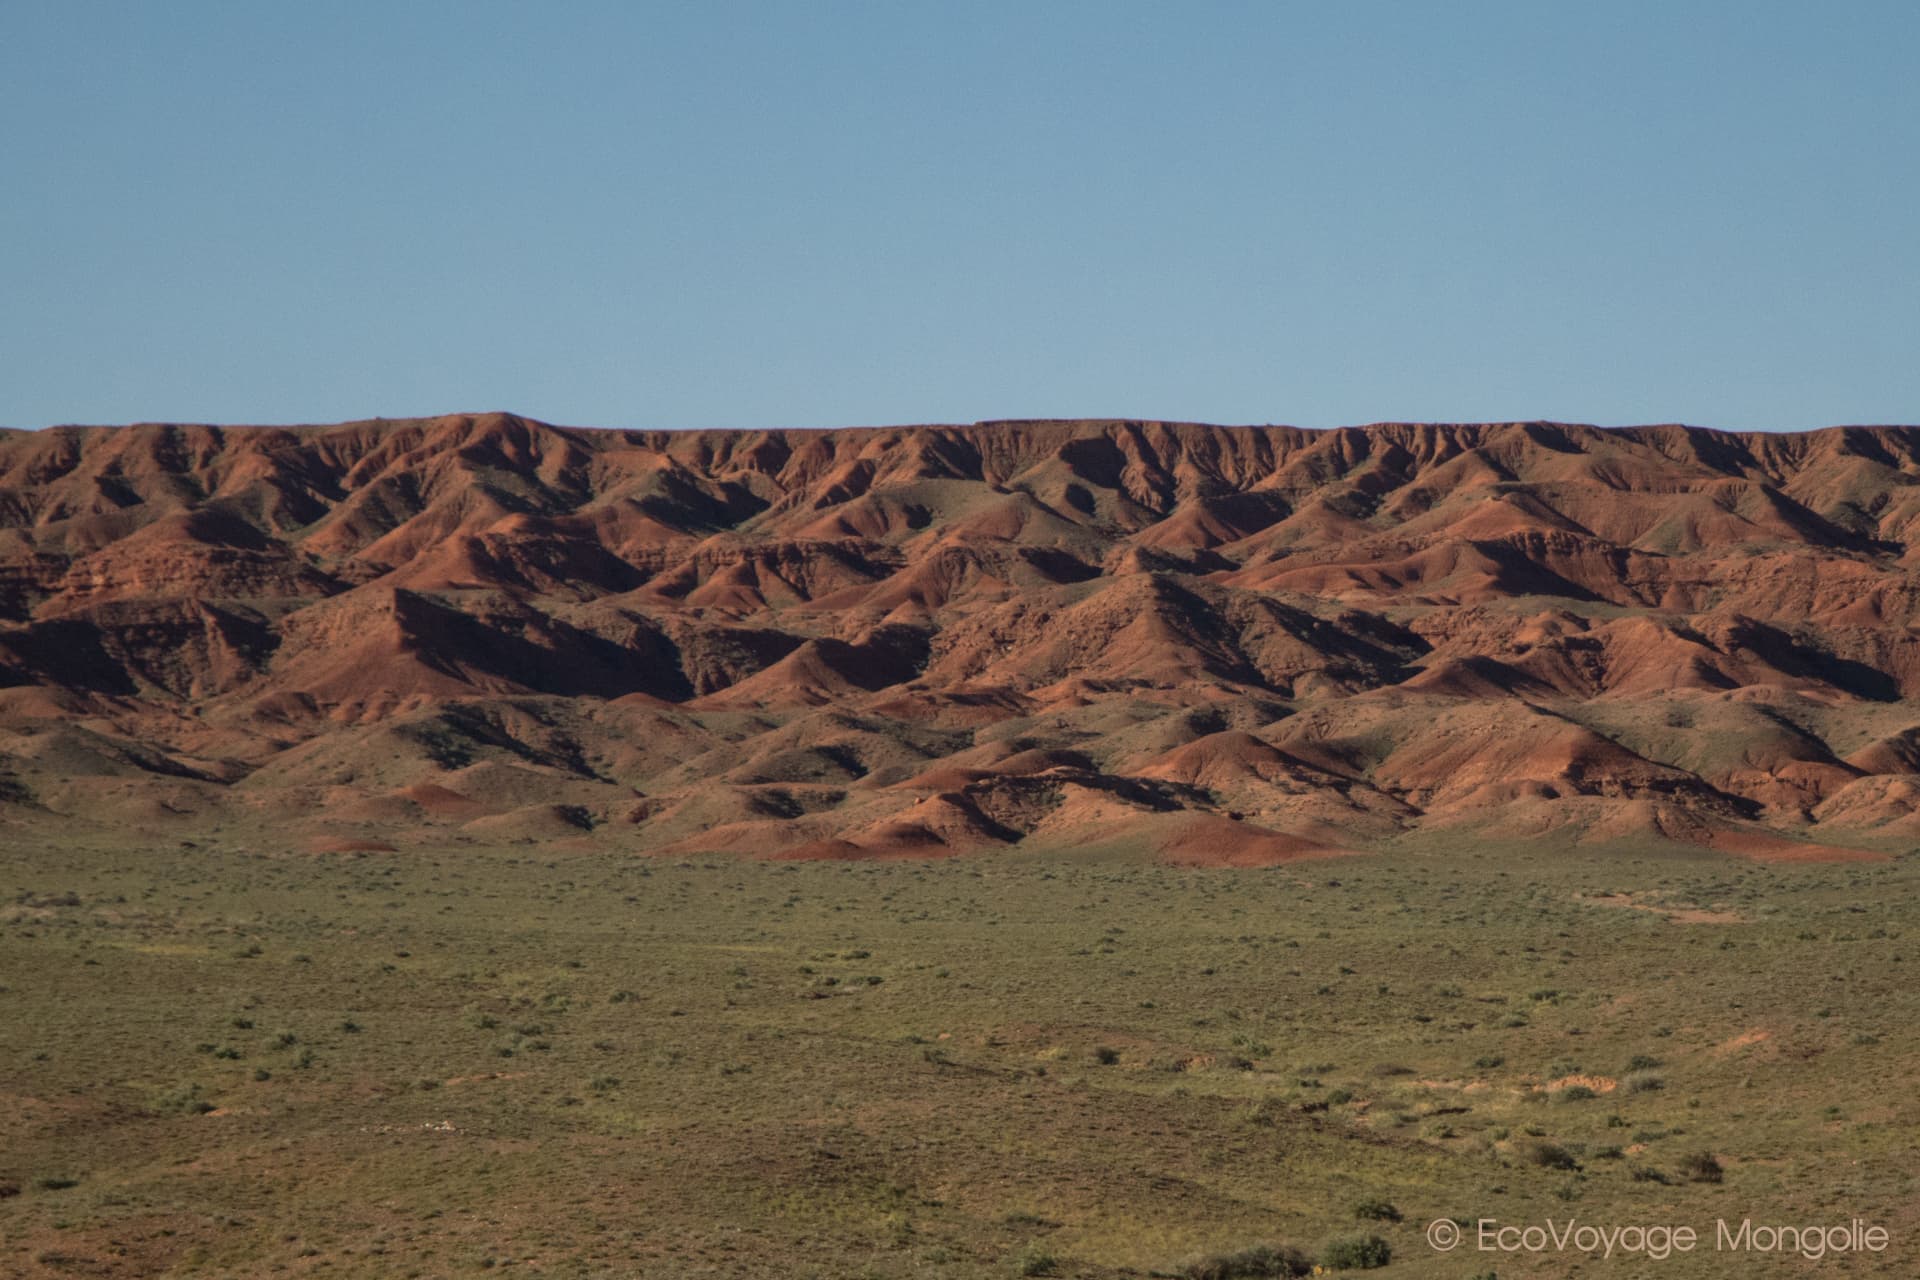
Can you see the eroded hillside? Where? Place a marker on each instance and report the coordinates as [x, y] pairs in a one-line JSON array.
[[1225, 644]]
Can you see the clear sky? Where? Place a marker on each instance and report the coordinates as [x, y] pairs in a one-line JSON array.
[[716, 214]]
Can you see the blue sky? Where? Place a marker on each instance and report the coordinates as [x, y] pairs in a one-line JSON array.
[[783, 214]]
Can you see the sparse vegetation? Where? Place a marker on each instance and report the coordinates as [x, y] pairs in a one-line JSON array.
[[1702, 1166], [852, 1118]]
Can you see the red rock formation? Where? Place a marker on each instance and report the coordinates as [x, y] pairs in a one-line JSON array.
[[1267, 642]]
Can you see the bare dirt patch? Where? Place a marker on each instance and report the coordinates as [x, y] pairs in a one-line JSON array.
[[1678, 915]]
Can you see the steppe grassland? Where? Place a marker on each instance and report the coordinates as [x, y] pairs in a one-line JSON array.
[[228, 1060]]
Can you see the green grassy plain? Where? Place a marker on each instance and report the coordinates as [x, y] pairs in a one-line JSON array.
[[226, 1060]]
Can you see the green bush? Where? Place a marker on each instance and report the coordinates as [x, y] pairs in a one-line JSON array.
[[1256, 1263], [1360, 1253], [1376, 1211], [1036, 1262]]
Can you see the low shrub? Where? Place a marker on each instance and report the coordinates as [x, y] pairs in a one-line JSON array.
[[1377, 1211], [1036, 1262], [1255, 1263], [1360, 1253], [1550, 1155], [1701, 1166]]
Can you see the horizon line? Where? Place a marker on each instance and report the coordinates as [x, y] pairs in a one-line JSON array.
[[952, 426]]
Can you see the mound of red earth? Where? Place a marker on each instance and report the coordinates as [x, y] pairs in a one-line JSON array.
[[1240, 645]]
